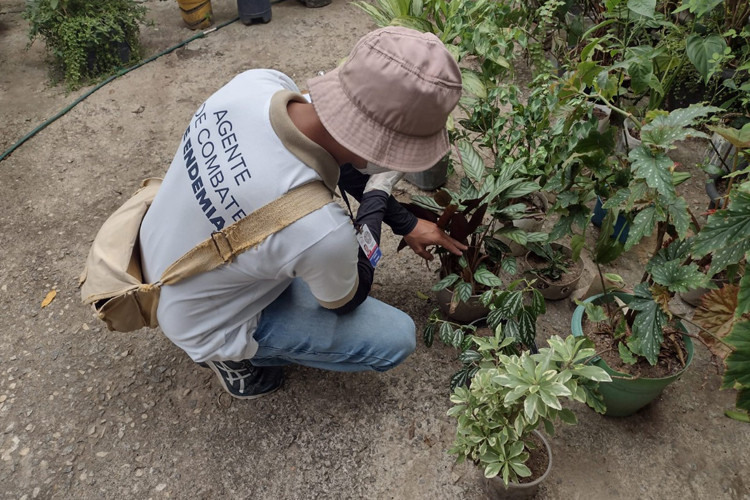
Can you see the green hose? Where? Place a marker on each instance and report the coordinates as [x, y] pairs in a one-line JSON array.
[[121, 72]]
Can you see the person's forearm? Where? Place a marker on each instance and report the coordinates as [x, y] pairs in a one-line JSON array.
[[400, 220], [371, 211]]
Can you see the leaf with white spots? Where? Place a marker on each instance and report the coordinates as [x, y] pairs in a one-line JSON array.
[[643, 225], [664, 130], [679, 216], [647, 328], [726, 234], [654, 168], [679, 278]]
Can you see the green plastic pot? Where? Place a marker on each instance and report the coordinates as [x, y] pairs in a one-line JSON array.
[[624, 395]]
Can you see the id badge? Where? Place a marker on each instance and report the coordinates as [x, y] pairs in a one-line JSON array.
[[368, 245]]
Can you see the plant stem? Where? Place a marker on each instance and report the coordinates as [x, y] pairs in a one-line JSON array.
[[661, 231]]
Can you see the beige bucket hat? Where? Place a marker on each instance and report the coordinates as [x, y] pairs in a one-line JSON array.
[[389, 101]]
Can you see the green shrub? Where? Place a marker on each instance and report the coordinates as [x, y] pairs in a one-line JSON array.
[[86, 38]]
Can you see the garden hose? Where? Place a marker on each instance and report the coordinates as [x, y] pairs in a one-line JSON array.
[[119, 73]]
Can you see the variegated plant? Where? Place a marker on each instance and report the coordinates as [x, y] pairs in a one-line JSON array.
[[511, 396]]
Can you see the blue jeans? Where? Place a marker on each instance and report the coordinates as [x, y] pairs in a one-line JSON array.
[[296, 329]]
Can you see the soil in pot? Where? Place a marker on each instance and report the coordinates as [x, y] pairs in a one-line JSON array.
[[539, 462], [555, 289], [672, 358]]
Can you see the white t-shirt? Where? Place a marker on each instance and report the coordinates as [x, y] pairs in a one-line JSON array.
[[239, 152]]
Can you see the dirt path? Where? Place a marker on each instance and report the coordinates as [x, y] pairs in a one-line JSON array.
[[86, 413]]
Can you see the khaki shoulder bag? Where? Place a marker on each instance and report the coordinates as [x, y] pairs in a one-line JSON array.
[[112, 281]]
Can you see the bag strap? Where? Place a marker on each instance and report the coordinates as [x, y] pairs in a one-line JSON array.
[[248, 232]]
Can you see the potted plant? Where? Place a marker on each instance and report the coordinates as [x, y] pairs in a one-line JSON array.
[[557, 273], [642, 332], [86, 38], [724, 314], [510, 397], [479, 213]]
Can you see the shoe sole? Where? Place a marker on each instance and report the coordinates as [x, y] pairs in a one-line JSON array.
[[314, 4], [224, 386]]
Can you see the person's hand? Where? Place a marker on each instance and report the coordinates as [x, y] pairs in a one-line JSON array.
[[383, 181], [425, 234]]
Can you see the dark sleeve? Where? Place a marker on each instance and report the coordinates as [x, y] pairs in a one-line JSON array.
[[372, 208], [400, 220]]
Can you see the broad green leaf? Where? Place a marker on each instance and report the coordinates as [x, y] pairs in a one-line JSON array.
[[664, 131], [738, 138], [743, 297], [527, 327], [679, 216], [510, 303], [626, 355], [520, 469], [446, 332], [698, 7], [522, 189], [429, 334], [445, 282], [701, 51], [726, 234], [513, 233], [577, 242], [595, 313], [645, 8], [473, 84], [486, 277], [538, 305], [536, 237], [740, 416], [592, 373], [679, 278], [648, 324], [641, 71], [738, 363], [685, 117], [492, 470], [471, 161], [509, 265], [463, 291], [568, 416], [654, 168], [643, 225]]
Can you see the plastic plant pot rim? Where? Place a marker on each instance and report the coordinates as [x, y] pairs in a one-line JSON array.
[[577, 331]]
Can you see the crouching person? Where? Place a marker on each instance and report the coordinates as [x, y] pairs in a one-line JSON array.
[[301, 296]]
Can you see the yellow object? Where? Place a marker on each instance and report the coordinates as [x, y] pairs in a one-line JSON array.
[[49, 298], [197, 14]]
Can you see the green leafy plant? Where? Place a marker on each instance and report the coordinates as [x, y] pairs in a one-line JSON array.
[[644, 188], [510, 396], [556, 262], [86, 38], [513, 315], [724, 314], [480, 214]]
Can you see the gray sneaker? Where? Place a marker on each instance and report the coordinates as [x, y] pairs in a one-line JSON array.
[[242, 380]]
